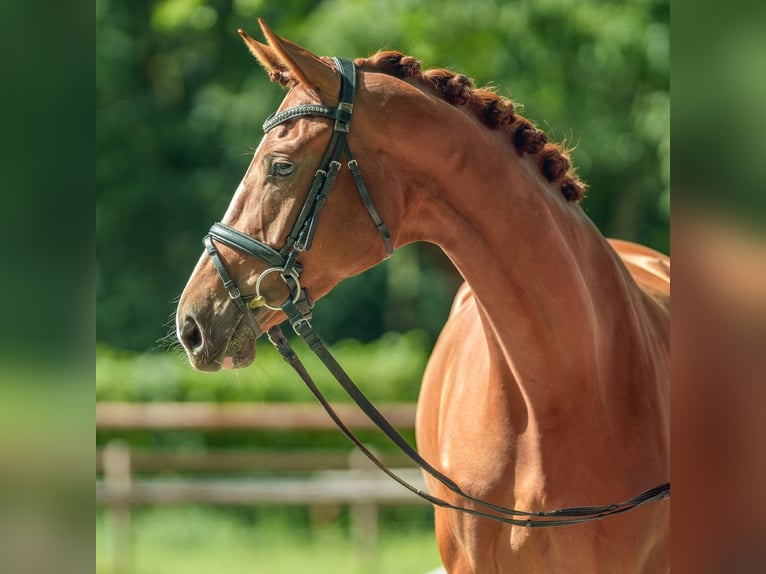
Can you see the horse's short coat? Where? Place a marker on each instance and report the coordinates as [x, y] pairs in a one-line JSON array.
[[549, 384]]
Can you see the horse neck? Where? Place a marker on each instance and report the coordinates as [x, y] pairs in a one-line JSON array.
[[551, 293]]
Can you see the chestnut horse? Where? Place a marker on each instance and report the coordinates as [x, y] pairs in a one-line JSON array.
[[548, 386]]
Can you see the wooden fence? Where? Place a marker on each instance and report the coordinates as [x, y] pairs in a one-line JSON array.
[[265, 416], [327, 477]]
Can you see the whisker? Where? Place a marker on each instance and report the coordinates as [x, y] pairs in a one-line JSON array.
[[169, 341]]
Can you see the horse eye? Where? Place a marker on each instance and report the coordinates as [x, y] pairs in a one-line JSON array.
[[282, 168]]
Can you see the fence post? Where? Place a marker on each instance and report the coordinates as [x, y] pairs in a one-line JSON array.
[[117, 486], [364, 515]]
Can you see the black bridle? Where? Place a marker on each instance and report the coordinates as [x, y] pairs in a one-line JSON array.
[[300, 238], [298, 308]]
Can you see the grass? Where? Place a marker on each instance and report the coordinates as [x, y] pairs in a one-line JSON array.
[[203, 540]]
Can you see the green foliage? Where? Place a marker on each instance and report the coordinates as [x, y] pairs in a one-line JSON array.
[[388, 369], [179, 105], [270, 540]]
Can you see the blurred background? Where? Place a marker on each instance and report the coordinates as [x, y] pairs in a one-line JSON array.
[[194, 486]]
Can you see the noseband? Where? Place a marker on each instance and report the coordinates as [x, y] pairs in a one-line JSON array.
[[298, 307], [300, 238]]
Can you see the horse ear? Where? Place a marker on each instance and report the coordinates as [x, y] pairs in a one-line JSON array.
[[303, 66], [266, 57]]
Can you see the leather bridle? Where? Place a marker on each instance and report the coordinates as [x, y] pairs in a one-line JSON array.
[[300, 238], [298, 307]]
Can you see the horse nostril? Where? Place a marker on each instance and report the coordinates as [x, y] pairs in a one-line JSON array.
[[191, 336]]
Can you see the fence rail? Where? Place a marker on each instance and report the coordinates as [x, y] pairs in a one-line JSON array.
[[239, 461], [330, 477], [329, 487], [222, 416]]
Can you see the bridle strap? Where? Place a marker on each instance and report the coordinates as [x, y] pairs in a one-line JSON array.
[[353, 167], [231, 286], [241, 242], [336, 114], [560, 517], [573, 515]]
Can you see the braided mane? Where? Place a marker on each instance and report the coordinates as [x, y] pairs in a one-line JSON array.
[[494, 111]]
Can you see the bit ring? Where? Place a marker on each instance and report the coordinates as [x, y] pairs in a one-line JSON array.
[[293, 274]]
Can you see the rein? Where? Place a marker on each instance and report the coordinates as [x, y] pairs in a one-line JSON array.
[[298, 309]]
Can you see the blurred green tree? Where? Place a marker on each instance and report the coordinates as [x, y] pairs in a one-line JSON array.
[[179, 104]]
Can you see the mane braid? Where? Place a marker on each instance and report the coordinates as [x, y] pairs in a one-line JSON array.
[[494, 111]]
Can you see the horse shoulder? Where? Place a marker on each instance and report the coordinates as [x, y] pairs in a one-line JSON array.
[[456, 374], [460, 437]]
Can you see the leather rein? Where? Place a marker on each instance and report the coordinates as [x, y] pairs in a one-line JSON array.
[[298, 309]]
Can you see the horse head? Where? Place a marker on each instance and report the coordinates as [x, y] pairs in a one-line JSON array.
[[277, 205]]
